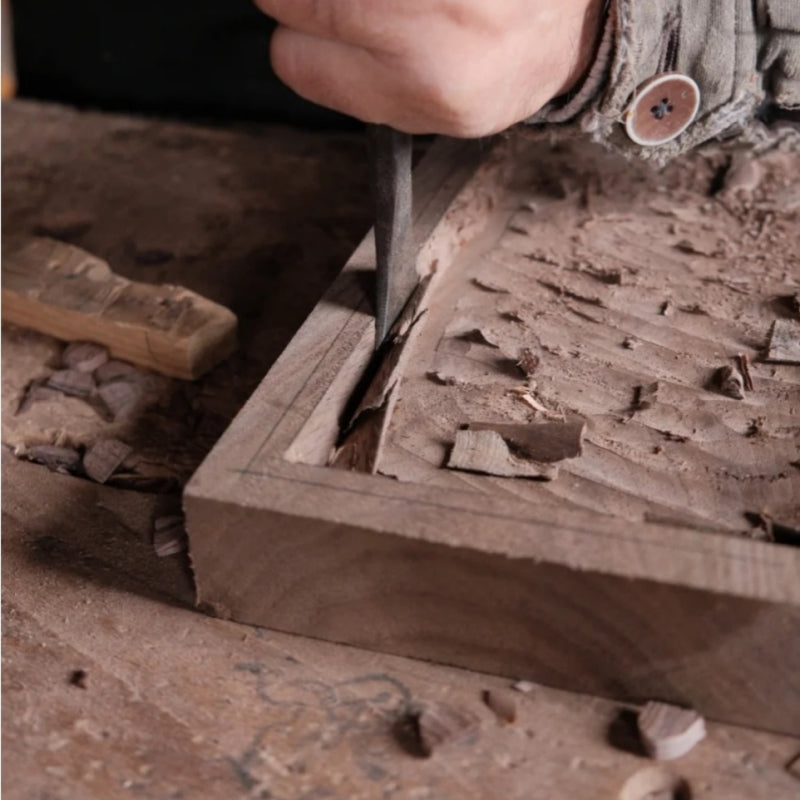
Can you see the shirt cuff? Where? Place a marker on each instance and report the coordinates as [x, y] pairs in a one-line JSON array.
[[738, 55]]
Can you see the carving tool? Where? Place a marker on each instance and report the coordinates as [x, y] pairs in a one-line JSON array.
[[394, 243]]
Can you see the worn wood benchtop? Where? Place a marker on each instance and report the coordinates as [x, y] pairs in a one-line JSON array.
[[172, 703]]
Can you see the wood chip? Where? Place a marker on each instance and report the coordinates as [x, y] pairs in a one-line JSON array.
[[502, 704], [104, 457], [744, 367], [477, 336], [524, 394], [528, 361], [169, 535], [72, 382], [78, 678], [440, 725], [122, 398], [668, 731], [484, 451], [784, 342], [36, 392], [645, 396], [58, 459], [540, 441], [116, 370], [360, 448], [84, 356], [490, 286], [730, 382]]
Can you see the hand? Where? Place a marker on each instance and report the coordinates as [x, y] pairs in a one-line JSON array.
[[460, 67]]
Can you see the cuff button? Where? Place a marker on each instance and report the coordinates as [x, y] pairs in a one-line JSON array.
[[662, 108]]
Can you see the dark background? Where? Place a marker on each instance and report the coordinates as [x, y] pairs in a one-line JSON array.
[[186, 58]]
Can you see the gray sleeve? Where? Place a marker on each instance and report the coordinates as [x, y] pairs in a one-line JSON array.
[[744, 57]]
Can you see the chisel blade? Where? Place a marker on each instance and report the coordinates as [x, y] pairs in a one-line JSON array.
[[394, 243]]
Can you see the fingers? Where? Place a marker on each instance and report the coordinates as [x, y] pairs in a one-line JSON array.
[[351, 21], [340, 76]]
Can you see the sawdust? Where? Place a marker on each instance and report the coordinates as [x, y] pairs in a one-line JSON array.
[[639, 300]]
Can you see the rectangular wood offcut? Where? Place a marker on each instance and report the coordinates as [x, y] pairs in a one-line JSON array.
[[579, 464]]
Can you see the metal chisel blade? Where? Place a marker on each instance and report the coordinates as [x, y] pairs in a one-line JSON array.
[[394, 243]]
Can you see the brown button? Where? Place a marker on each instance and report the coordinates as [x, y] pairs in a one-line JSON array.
[[662, 108]]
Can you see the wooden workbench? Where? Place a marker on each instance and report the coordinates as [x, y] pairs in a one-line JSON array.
[[173, 703]]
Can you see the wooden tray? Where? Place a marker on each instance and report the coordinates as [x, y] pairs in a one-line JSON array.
[[660, 563]]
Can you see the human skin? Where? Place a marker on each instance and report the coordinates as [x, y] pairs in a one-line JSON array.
[[465, 68]]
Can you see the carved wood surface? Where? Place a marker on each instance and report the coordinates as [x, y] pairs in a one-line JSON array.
[[618, 577]]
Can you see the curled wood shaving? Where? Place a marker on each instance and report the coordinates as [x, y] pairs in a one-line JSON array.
[[744, 367]]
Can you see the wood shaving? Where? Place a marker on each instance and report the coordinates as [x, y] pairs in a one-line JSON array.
[[169, 535], [57, 459], [486, 452], [84, 356], [122, 398], [490, 286], [525, 395], [730, 382], [545, 442], [72, 382]]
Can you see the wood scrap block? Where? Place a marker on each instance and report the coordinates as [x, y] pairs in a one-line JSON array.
[[63, 291]]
